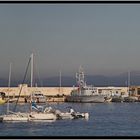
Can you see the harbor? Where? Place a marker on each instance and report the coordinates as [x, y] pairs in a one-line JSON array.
[[69, 70], [53, 94], [78, 93]]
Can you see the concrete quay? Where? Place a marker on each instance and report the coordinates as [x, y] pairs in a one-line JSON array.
[[53, 94], [26, 91], [57, 94]]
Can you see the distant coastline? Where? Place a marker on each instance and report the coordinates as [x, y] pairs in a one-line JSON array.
[[67, 81]]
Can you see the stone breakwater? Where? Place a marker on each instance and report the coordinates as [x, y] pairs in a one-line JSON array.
[[26, 91], [55, 94]]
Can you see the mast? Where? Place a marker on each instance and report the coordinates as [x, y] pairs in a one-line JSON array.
[[31, 79], [80, 79], [22, 83], [60, 81], [9, 82], [32, 70], [128, 82]]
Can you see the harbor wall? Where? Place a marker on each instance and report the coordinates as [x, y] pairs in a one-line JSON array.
[[53, 91], [26, 91]]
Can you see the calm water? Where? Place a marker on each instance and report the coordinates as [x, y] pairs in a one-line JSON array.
[[106, 119]]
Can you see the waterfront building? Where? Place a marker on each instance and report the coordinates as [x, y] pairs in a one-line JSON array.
[[113, 91], [135, 90]]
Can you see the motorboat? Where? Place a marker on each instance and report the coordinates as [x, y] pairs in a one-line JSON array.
[[38, 96], [76, 115], [71, 114]]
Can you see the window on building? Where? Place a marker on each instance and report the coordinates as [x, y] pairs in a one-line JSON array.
[[138, 91]]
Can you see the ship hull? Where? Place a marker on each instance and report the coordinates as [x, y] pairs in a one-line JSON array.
[[86, 99]]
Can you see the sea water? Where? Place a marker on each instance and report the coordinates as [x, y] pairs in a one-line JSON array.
[[105, 119]]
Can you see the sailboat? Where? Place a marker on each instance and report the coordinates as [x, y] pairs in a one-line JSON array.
[[37, 114], [129, 97], [12, 116], [32, 115]]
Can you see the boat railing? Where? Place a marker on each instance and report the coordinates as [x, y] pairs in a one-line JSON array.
[[16, 113]]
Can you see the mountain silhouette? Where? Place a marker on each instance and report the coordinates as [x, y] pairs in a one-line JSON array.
[[96, 80]]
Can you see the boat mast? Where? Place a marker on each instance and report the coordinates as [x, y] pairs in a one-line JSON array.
[[9, 82], [31, 79], [59, 81], [32, 70], [22, 83], [128, 82]]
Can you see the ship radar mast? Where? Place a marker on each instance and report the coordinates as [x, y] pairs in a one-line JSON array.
[[80, 77]]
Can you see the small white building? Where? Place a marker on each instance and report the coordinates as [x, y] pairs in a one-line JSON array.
[[113, 91]]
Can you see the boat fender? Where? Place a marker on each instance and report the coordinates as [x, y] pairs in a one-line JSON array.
[[86, 115], [83, 114], [57, 112], [31, 116]]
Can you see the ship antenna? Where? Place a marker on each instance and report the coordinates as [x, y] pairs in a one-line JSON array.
[[80, 78]]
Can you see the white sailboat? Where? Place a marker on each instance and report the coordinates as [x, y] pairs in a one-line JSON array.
[[129, 97], [12, 116], [38, 115]]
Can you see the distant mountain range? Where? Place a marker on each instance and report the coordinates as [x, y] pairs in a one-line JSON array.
[[96, 80]]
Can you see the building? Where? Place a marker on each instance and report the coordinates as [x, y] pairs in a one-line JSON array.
[[113, 91], [135, 90]]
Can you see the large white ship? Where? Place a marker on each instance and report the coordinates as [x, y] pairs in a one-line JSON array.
[[84, 92]]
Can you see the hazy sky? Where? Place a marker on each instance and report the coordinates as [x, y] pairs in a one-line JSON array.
[[104, 39]]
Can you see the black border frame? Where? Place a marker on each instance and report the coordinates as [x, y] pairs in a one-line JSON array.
[[69, 2]]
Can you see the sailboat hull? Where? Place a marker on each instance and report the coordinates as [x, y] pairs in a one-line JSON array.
[[42, 116], [25, 117], [14, 118]]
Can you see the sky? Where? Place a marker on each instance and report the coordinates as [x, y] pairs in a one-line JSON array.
[[103, 38]]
